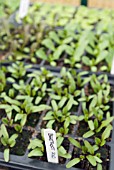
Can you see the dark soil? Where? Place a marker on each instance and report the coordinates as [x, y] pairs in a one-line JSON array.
[[2, 113], [38, 60], [82, 128], [21, 142], [7, 87], [33, 119]]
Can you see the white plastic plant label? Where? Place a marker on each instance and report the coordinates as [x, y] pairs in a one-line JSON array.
[[23, 9], [112, 69], [51, 145]]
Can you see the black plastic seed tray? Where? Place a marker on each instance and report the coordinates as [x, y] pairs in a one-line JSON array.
[[25, 163], [57, 69]]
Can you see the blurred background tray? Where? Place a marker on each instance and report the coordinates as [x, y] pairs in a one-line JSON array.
[[101, 3], [71, 2], [90, 3]]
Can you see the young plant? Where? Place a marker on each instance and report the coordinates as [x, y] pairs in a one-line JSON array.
[[41, 76], [7, 142], [52, 58], [27, 108], [34, 90], [56, 45], [88, 152], [98, 83], [37, 148], [97, 54], [8, 7], [104, 127], [17, 71], [65, 86], [75, 59], [23, 107], [94, 62], [61, 114]]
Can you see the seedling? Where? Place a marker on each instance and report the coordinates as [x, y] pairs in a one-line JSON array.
[[8, 142]]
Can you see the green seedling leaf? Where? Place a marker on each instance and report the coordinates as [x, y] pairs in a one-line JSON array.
[[23, 120], [4, 141], [59, 51], [98, 159], [38, 99], [41, 54], [18, 128], [93, 103], [55, 97], [59, 141], [107, 132], [4, 131], [68, 105], [24, 97], [50, 123], [35, 152], [16, 108], [89, 50], [6, 155], [40, 108], [86, 61], [73, 162], [49, 44], [6, 106], [89, 147], [5, 121], [54, 105], [99, 167], [95, 147], [91, 124], [97, 141], [48, 117], [54, 36], [101, 56], [62, 150], [96, 123], [12, 140], [62, 102], [100, 96], [92, 160], [103, 142], [35, 143], [12, 101], [105, 123], [74, 142], [18, 117], [88, 134], [67, 155], [10, 79], [67, 122]]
